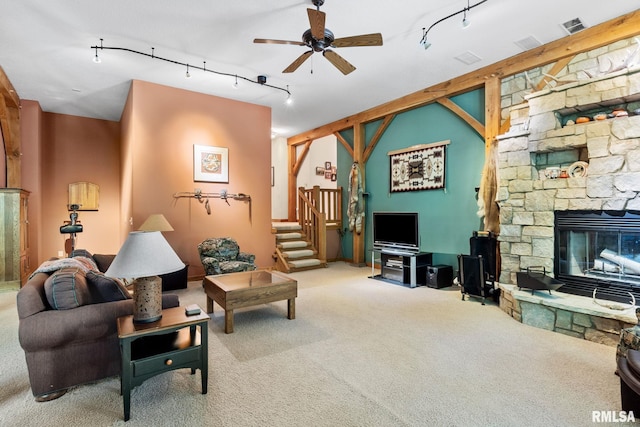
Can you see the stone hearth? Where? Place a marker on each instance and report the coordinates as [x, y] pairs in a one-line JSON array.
[[571, 315]]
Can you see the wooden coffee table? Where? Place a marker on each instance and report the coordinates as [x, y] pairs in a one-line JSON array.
[[236, 290]]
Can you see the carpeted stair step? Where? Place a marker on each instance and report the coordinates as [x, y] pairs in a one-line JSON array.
[[293, 244], [298, 254], [310, 262], [288, 236], [277, 227]]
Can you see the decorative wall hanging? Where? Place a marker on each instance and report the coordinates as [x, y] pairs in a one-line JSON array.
[[210, 164], [421, 167], [85, 196]]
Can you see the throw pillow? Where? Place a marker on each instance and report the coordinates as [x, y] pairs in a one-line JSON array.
[[103, 261], [66, 289], [104, 289]]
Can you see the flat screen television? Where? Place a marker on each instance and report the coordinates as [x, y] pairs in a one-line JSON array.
[[396, 231]]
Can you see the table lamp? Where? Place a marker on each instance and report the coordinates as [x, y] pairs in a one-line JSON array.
[[145, 255], [156, 222]]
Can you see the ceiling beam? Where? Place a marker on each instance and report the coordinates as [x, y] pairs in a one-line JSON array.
[[616, 29], [8, 92]]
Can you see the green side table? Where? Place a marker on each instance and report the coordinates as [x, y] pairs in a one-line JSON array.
[[175, 341]]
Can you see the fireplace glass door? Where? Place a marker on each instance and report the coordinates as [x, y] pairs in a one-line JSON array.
[[598, 250]]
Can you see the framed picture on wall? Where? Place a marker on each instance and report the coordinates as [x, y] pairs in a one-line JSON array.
[[319, 170], [210, 164]]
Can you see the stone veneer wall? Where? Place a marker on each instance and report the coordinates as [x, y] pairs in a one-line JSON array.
[[537, 140]]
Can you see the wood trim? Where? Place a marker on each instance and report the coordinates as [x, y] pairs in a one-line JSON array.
[[376, 137], [8, 91], [298, 162], [468, 118], [616, 29], [344, 143], [492, 110], [419, 147]]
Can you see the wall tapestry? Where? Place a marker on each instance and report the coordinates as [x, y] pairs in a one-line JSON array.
[[210, 164], [421, 167]]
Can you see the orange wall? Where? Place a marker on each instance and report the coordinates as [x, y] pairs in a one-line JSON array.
[[160, 127], [79, 149], [31, 175], [140, 162]]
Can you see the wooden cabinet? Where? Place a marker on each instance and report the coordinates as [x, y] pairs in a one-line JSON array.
[[14, 238]]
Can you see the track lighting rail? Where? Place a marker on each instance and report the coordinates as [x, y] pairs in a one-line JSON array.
[[260, 80], [424, 42]]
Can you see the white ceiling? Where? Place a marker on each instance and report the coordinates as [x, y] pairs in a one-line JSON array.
[[45, 49]]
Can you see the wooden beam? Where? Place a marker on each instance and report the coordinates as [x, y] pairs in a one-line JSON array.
[[298, 163], [358, 156], [376, 137], [8, 91], [292, 180], [344, 143], [616, 29], [468, 118], [492, 110]]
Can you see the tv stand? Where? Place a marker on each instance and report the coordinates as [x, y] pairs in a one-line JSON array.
[[404, 267]]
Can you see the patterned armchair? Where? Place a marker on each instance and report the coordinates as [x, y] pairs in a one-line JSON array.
[[221, 255]]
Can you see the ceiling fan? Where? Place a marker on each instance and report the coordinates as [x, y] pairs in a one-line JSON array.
[[319, 39]]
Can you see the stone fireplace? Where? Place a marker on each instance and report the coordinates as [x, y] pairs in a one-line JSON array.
[[552, 161]]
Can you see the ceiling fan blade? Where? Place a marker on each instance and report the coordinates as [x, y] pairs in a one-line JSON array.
[[298, 62], [316, 20], [374, 39], [339, 62], [271, 41]]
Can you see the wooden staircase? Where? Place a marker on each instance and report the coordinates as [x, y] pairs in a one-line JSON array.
[[293, 251], [302, 245]]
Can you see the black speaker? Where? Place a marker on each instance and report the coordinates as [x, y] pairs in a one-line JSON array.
[[439, 276]]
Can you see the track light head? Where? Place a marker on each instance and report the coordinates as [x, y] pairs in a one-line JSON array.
[[96, 58], [465, 21], [262, 79]]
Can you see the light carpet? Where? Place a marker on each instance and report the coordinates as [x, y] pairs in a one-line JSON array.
[[361, 352]]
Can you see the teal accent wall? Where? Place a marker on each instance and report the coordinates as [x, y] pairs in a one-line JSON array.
[[447, 217]]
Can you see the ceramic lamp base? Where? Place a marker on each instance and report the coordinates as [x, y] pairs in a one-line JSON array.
[[147, 299]]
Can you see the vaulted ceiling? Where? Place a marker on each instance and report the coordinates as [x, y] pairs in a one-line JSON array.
[[45, 49]]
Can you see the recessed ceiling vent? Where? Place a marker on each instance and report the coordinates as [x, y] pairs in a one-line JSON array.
[[573, 26], [468, 58], [528, 43]]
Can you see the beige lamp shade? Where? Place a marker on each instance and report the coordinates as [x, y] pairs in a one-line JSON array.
[[145, 254], [156, 222]]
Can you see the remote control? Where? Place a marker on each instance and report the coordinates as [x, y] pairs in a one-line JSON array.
[[192, 310]]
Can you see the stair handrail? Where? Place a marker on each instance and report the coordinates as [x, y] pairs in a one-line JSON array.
[[313, 224], [328, 201]]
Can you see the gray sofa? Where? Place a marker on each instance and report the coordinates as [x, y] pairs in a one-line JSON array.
[[71, 338]]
